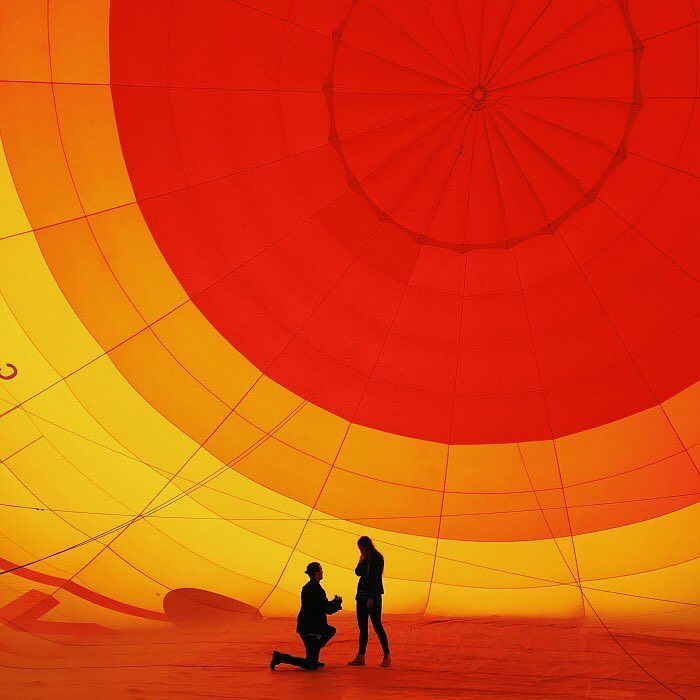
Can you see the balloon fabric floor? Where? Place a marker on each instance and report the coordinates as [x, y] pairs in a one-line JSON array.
[[432, 658]]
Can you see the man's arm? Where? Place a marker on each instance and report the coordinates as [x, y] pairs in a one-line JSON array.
[[313, 604], [332, 606]]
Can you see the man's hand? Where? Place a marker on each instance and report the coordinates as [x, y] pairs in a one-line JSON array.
[[338, 598], [370, 603]]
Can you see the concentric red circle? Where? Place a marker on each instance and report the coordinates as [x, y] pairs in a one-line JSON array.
[[281, 152]]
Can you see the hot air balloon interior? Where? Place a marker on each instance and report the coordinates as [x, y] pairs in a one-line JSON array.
[[277, 274]]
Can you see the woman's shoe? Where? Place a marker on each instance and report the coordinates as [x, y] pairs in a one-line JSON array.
[[386, 661], [359, 660]]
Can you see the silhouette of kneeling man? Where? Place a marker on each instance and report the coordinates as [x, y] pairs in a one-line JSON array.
[[312, 626]]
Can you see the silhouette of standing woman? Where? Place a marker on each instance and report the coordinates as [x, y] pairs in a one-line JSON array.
[[312, 626], [369, 599]]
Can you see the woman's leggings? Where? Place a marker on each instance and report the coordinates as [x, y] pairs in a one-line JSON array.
[[364, 614]]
